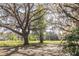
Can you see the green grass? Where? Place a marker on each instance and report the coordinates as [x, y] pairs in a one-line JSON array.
[[19, 42], [11, 43], [48, 42]]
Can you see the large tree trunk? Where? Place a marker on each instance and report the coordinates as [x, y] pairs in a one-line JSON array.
[[26, 41], [41, 40]]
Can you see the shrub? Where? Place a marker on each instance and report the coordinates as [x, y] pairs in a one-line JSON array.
[[32, 37], [72, 45], [12, 37]]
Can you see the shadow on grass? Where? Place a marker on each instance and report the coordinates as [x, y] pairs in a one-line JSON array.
[[13, 50], [24, 50]]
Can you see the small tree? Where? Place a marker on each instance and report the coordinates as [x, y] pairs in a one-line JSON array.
[[41, 25]]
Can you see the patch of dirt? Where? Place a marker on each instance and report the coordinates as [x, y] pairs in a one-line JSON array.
[[33, 50]]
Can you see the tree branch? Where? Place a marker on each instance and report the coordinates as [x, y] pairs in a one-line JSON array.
[[37, 18], [67, 14], [37, 12], [11, 29], [28, 15]]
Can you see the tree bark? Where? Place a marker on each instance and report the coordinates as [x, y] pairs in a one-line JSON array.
[[41, 37], [41, 40], [26, 41]]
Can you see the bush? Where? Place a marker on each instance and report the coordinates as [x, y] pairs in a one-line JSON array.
[[72, 45], [12, 37], [32, 37]]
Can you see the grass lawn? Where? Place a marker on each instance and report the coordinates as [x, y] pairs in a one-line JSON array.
[[48, 42], [19, 42]]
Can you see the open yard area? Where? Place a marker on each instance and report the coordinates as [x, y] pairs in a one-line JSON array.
[[39, 29], [15, 43], [48, 48], [33, 50]]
